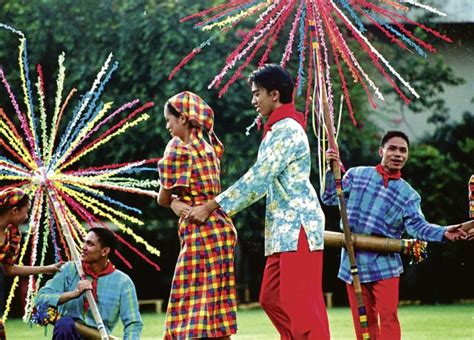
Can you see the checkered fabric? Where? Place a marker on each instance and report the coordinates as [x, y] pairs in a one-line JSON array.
[[3, 334], [193, 169], [199, 113], [10, 197], [374, 209], [117, 299], [10, 248], [203, 299], [471, 197]]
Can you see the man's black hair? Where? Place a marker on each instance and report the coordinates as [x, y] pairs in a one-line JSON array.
[[394, 133], [106, 238], [274, 77]]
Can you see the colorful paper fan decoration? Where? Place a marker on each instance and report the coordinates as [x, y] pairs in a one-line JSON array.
[[40, 159], [316, 29]]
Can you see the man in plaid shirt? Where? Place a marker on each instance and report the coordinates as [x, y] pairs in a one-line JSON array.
[[113, 291], [379, 202]]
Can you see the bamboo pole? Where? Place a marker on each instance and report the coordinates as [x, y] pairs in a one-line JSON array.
[[77, 261], [367, 242], [342, 208]]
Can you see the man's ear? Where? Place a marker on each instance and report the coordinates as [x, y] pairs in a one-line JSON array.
[[275, 94], [105, 251], [380, 151]]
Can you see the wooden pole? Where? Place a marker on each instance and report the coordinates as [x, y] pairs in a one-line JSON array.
[[77, 261], [367, 242], [342, 208]]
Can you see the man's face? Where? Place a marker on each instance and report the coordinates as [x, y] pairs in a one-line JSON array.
[[265, 102], [394, 154], [92, 250]]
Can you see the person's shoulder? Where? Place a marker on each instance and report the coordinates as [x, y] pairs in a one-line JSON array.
[[409, 189], [361, 170], [176, 145], [69, 268], [121, 276], [68, 265], [288, 124], [288, 128]]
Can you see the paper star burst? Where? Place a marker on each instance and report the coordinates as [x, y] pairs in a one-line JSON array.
[[39, 160], [320, 26]]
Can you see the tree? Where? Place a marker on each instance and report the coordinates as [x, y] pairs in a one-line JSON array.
[[148, 41]]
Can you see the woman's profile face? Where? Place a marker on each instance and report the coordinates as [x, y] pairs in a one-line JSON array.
[[175, 125], [19, 215]]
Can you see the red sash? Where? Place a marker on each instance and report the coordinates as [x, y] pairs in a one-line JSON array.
[[386, 175], [95, 276], [282, 112]]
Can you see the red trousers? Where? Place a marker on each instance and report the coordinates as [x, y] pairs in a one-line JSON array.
[[381, 301], [291, 293]]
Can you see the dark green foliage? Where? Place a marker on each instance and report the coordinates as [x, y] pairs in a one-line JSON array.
[[148, 41]]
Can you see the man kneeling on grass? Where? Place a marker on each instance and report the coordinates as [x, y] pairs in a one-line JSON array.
[[113, 291]]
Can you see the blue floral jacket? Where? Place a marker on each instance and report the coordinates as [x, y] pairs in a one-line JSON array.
[[281, 172]]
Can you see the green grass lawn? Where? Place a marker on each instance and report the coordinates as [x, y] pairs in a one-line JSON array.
[[418, 323]]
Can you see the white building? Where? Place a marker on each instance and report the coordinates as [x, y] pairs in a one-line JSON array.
[[459, 55]]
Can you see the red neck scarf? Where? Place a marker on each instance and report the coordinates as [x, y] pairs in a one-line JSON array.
[[284, 111], [95, 276], [386, 175]]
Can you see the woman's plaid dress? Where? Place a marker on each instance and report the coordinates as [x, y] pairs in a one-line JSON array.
[[203, 299], [9, 251]]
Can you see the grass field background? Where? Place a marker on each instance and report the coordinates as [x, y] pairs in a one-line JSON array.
[[418, 323]]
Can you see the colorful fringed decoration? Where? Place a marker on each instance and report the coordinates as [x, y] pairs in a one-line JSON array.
[[44, 315], [318, 36], [39, 154], [471, 197], [415, 249], [316, 29]]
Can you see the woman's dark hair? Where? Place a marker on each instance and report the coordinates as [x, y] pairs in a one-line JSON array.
[[170, 108], [106, 238], [394, 133], [274, 77], [23, 202]]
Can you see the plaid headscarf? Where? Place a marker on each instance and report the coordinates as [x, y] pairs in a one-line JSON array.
[[10, 197], [199, 113]]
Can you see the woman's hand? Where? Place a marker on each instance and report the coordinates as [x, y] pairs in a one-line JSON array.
[[455, 233], [201, 213], [181, 209], [468, 227], [53, 268]]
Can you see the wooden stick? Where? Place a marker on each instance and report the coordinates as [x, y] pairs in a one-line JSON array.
[[366, 242], [77, 261], [89, 333], [342, 207]]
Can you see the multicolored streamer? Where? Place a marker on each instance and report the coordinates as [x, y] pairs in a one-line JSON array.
[[329, 24], [39, 156]]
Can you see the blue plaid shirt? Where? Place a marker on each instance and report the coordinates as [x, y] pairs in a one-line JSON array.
[[116, 298], [373, 209]]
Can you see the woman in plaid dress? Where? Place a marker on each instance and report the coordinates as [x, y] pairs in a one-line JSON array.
[[14, 207], [202, 302]]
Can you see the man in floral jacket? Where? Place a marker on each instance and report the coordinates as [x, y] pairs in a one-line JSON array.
[[291, 292]]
